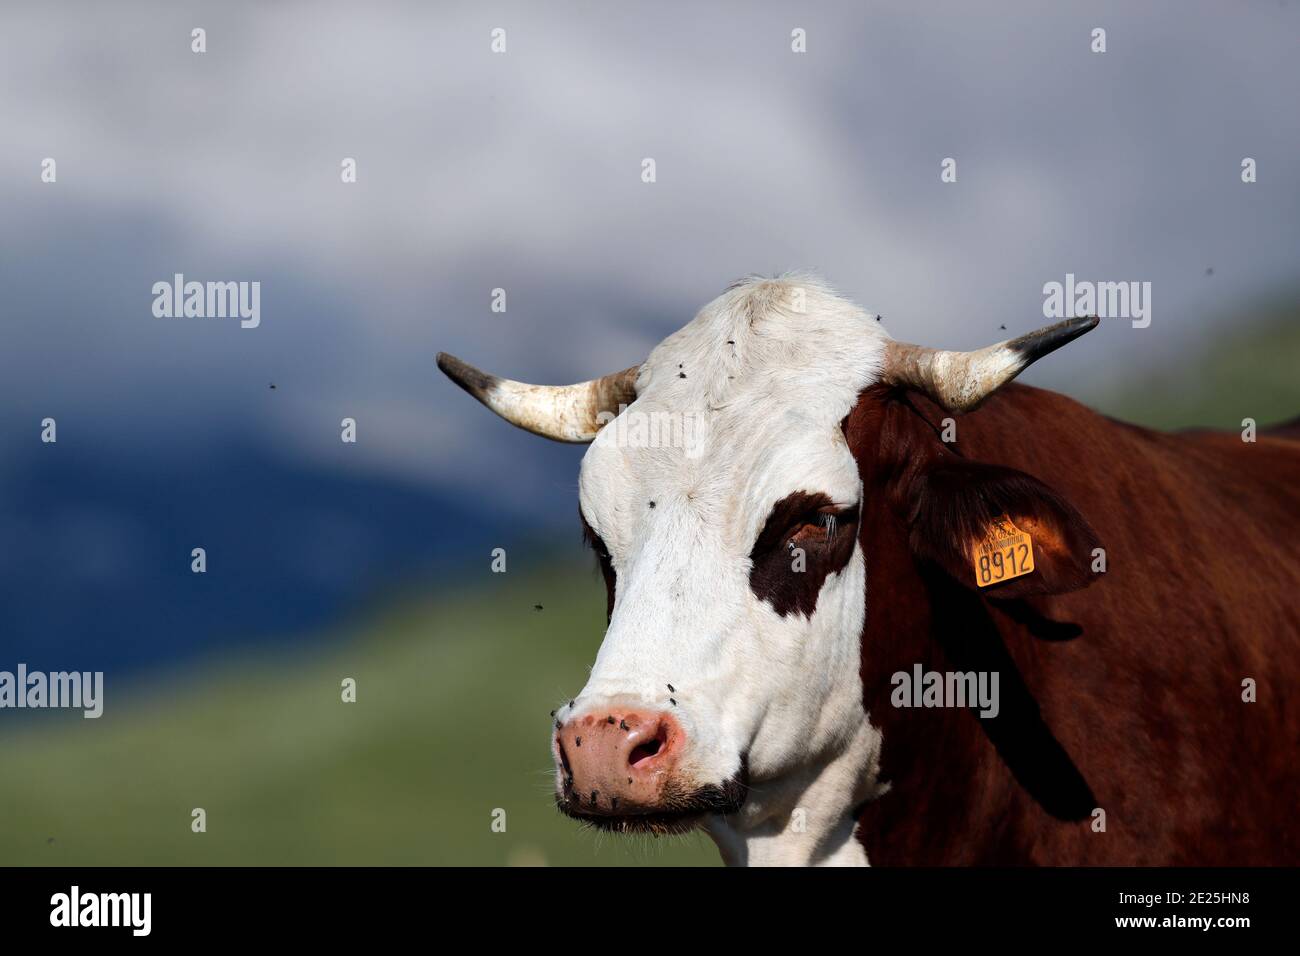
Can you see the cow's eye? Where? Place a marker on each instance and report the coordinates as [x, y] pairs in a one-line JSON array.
[[597, 544], [821, 526], [592, 539], [804, 518]]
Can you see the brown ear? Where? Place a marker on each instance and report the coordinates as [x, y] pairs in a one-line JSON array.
[[953, 504]]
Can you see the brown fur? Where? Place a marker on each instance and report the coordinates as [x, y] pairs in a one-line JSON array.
[[1124, 695]]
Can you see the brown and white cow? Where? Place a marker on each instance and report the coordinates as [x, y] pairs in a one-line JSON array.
[[798, 542]]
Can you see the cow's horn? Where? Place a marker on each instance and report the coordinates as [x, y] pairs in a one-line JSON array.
[[959, 381], [562, 412]]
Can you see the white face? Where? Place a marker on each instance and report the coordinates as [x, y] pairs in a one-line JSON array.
[[757, 632]]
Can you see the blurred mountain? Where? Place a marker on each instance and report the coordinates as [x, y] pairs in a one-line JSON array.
[[95, 571]]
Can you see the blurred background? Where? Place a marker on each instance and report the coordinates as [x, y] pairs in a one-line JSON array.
[[521, 171]]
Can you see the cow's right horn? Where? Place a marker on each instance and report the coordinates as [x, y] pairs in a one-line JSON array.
[[572, 413], [959, 381]]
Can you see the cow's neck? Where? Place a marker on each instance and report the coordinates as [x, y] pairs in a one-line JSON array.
[[805, 818], [939, 763], [896, 636]]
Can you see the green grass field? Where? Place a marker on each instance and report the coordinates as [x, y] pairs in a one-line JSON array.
[[450, 723], [1252, 372]]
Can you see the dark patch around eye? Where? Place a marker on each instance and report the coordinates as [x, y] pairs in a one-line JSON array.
[[597, 544], [807, 520]]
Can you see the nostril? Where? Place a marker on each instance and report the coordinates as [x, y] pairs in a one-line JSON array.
[[564, 762], [644, 751]]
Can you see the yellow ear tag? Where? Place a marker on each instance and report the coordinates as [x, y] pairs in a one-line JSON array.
[[1005, 553]]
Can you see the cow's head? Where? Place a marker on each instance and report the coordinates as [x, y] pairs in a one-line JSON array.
[[722, 500]]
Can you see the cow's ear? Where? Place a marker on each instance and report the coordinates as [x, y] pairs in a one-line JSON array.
[[953, 505]]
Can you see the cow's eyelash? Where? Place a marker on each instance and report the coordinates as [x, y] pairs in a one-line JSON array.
[[830, 520], [591, 539], [596, 543]]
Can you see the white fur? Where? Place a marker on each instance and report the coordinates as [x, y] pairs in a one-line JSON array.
[[785, 691]]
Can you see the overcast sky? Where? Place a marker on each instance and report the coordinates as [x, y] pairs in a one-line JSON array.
[[522, 170]]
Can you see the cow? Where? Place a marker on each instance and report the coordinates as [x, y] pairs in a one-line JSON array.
[[780, 583]]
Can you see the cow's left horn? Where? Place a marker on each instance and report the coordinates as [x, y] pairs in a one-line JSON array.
[[959, 381], [562, 412]]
